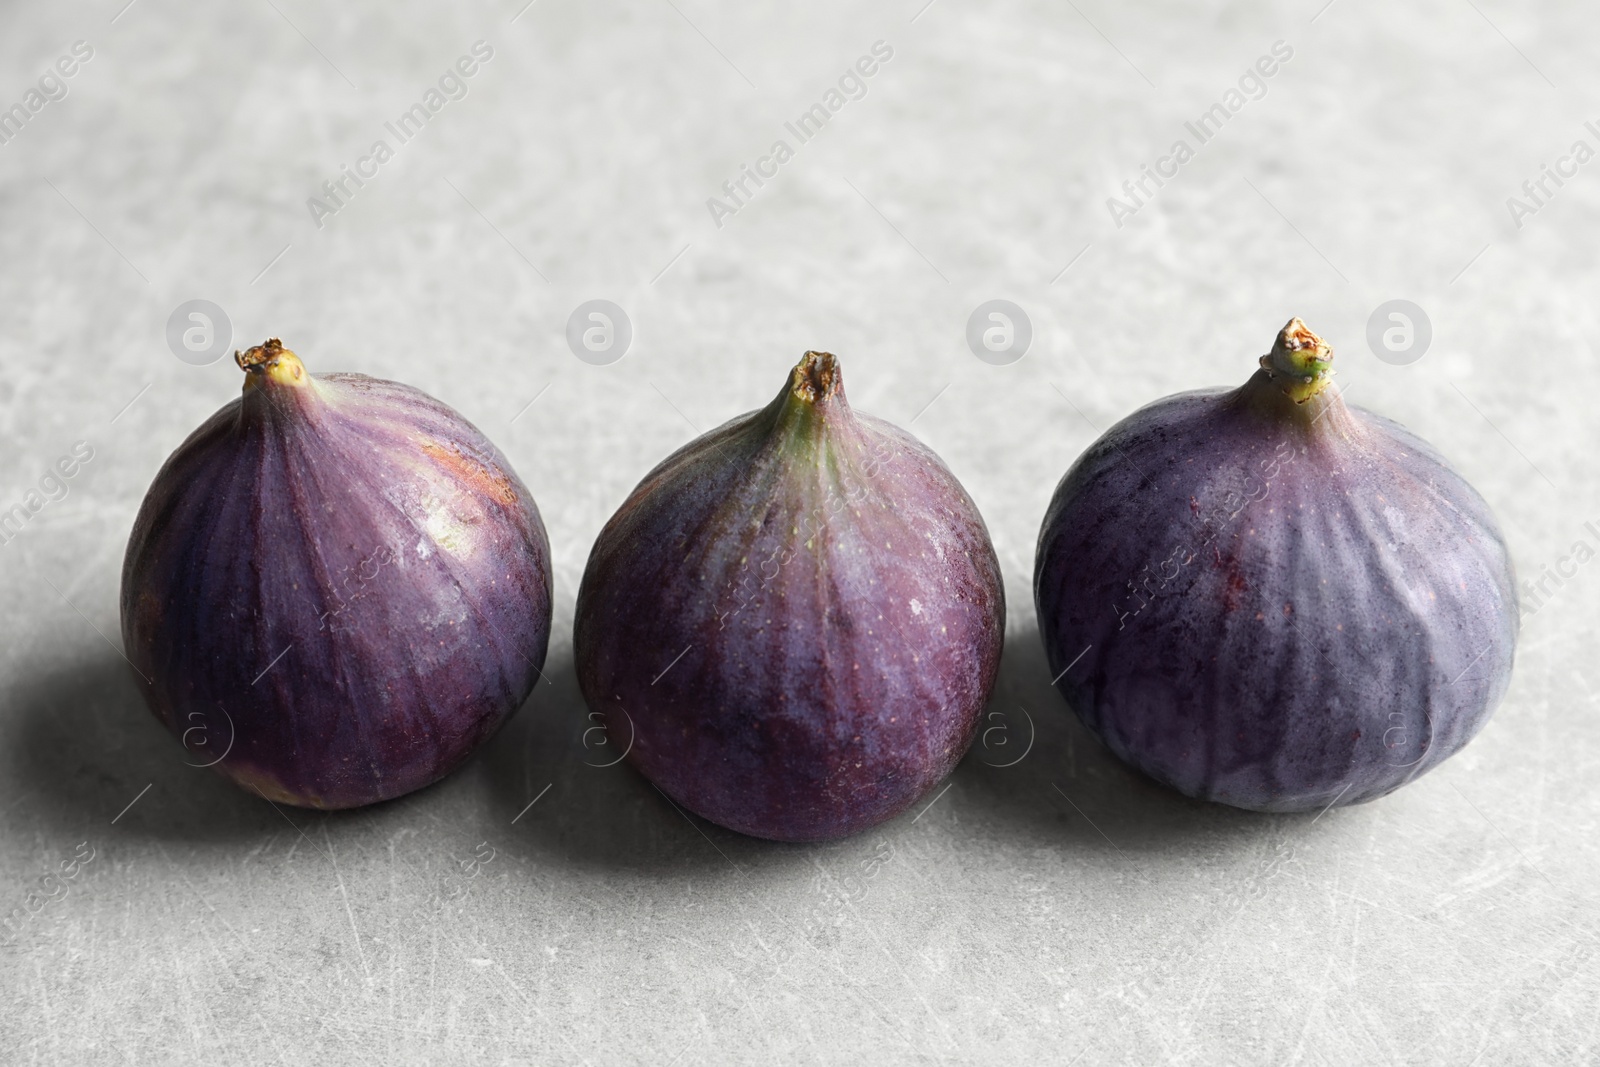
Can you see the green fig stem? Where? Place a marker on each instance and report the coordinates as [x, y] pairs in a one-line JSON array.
[[1300, 363], [811, 407], [272, 364]]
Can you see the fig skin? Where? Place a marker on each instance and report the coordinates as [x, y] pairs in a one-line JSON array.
[[796, 618], [1267, 598], [336, 587]]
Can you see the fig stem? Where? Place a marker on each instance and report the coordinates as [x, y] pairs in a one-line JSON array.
[[271, 363], [811, 406], [1300, 363], [816, 376]]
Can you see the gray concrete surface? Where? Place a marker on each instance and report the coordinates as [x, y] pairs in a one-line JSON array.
[[1058, 910]]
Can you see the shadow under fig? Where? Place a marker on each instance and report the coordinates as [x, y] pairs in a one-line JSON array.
[[1035, 771], [82, 747], [79, 748], [1034, 775], [557, 772]]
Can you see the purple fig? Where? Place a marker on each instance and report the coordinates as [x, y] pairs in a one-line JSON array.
[[336, 587], [1265, 597], [796, 618]]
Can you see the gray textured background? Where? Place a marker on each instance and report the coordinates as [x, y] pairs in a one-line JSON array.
[[1058, 908]]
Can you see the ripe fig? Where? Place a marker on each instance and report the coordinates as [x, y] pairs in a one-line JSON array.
[[796, 618], [1265, 597], [336, 587]]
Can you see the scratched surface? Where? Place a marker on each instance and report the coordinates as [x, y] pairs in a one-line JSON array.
[[1045, 904]]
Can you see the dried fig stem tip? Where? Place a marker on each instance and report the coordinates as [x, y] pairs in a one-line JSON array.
[[1301, 363], [271, 363], [816, 377]]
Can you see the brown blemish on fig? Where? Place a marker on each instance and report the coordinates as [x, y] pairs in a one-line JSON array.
[[472, 472]]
